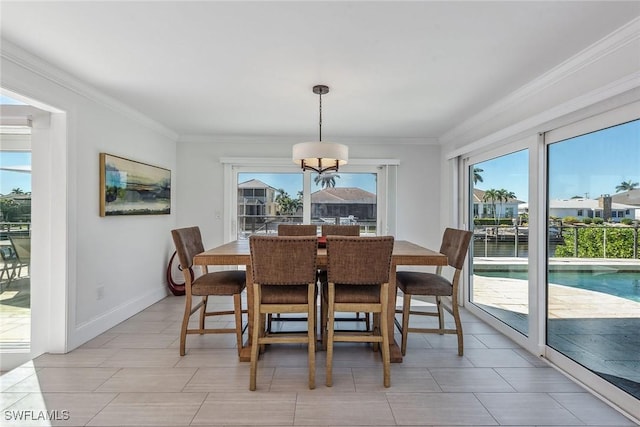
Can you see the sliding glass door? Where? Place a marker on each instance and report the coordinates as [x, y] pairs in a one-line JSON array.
[[499, 218], [593, 265]]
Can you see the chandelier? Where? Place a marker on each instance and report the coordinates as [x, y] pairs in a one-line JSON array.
[[320, 156]]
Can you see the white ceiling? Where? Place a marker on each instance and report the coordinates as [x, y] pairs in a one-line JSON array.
[[395, 69]]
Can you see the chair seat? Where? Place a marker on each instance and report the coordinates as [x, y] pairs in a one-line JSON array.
[[420, 283], [284, 294], [219, 283], [356, 294]]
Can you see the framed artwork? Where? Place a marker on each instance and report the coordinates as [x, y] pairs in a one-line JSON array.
[[128, 187]]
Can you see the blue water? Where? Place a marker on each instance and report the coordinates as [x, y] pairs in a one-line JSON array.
[[623, 285]]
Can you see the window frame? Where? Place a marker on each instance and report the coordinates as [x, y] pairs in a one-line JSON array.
[[385, 169]]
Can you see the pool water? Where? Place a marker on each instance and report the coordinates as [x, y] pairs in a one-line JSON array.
[[623, 285]]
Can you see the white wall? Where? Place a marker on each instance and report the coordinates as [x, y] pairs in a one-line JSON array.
[[82, 251], [200, 184]]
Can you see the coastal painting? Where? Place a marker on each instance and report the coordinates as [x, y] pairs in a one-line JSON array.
[[128, 187]]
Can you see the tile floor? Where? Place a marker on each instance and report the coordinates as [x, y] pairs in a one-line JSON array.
[[133, 375]]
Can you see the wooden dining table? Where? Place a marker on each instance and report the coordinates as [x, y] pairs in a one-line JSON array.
[[404, 253]]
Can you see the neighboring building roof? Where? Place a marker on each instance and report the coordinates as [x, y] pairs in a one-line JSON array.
[[584, 204], [631, 197], [16, 197], [254, 183], [343, 195], [478, 197]]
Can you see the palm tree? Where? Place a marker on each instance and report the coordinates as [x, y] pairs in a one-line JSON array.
[[326, 180], [503, 197], [18, 190], [491, 196], [626, 186], [476, 175]]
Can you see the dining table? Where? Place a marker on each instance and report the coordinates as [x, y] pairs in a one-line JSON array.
[[237, 253]]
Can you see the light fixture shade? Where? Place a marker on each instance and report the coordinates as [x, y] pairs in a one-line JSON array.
[[320, 156]]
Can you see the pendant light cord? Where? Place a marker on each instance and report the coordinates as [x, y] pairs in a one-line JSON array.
[[320, 123]]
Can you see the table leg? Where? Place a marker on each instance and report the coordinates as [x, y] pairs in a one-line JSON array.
[[245, 351], [394, 348]]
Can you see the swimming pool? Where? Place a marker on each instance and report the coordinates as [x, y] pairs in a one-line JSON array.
[[623, 285]]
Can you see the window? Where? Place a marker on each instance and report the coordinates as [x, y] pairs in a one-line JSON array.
[[265, 196], [580, 212]]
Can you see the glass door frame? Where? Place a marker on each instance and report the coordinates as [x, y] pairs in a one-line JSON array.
[[611, 114], [534, 341]]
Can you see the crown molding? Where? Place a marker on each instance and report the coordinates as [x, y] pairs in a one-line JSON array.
[[605, 46], [281, 161], [24, 59], [288, 140]]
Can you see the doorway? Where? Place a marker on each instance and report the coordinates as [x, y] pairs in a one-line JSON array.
[[38, 239]]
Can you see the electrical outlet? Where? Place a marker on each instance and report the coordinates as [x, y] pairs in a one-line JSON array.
[[100, 292], [218, 215]]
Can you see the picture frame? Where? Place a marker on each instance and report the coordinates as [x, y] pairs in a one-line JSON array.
[[129, 187]]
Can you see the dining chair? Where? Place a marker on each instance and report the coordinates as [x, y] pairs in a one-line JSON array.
[[292, 230], [455, 244], [284, 281], [358, 281], [297, 230], [188, 243], [338, 230]]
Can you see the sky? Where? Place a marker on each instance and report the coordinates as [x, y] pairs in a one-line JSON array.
[[11, 180], [587, 166]]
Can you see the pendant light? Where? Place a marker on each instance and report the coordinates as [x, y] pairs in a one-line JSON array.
[[320, 156]]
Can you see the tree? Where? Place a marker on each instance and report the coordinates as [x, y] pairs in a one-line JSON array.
[[9, 210], [287, 205], [491, 196], [503, 197], [18, 190], [626, 186], [326, 180], [476, 175]]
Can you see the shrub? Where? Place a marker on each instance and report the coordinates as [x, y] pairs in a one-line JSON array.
[[598, 221], [492, 221], [626, 221], [570, 220], [587, 221], [619, 242]]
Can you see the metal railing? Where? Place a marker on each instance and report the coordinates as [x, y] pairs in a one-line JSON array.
[[582, 241]]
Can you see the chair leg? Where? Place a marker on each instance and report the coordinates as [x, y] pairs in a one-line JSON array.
[[255, 337], [367, 319], [330, 321], [376, 331], [185, 323], [323, 323], [440, 313], [456, 318], [406, 309], [311, 331], [203, 313], [237, 310], [384, 300]]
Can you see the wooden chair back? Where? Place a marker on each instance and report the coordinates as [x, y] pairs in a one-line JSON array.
[[340, 230], [297, 230]]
